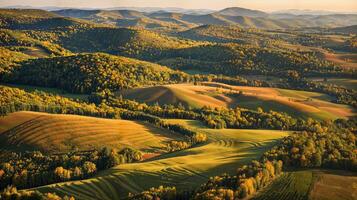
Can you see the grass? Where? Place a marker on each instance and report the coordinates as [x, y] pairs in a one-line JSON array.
[[59, 133], [294, 102], [311, 185], [224, 151]]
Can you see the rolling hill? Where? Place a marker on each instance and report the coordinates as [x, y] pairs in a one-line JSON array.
[[121, 18], [242, 17], [345, 29], [237, 11], [219, 33], [20, 41], [22, 19], [85, 73], [225, 150], [296, 103], [142, 44], [61, 133]]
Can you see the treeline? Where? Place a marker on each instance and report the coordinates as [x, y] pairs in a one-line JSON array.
[[342, 95], [249, 179], [11, 193], [31, 169], [332, 149]]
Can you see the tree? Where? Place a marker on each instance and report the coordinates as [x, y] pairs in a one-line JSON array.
[[89, 168]]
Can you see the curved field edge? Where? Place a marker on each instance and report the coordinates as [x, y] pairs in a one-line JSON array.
[[294, 102], [311, 185], [225, 150], [59, 133]]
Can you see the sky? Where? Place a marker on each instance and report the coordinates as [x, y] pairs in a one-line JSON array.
[[265, 5]]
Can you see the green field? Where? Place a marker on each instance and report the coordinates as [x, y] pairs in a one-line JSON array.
[[311, 185], [225, 151]]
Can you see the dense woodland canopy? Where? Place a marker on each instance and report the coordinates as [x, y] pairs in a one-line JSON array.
[[86, 73], [39, 48]]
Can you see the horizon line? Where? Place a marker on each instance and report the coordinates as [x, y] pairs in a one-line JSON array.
[[171, 7]]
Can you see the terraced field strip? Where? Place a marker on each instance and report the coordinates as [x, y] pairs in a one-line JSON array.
[[311, 185], [225, 151], [295, 185], [50, 132]]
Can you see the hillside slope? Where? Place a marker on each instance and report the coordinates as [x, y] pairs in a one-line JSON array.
[[85, 73], [187, 169], [61, 133], [22, 19], [296, 103]]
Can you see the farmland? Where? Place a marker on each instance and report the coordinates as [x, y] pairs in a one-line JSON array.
[[311, 184], [61, 133], [296, 103], [225, 150]]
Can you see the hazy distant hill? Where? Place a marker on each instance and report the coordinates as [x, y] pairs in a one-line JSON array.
[[177, 20], [309, 12], [236, 11], [345, 29]]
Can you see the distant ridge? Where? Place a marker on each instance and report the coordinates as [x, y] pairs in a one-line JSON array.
[[179, 20], [237, 11]]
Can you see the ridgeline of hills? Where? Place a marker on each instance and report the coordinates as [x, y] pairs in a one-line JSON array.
[[241, 17]]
